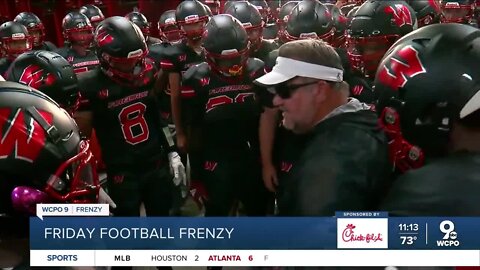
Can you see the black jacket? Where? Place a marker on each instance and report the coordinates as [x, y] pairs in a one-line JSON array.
[[445, 187], [344, 166]]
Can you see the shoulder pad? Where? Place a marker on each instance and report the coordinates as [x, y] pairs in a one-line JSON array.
[[50, 46], [169, 57], [271, 45], [197, 72], [195, 77], [271, 60], [63, 51], [153, 40], [174, 50], [157, 51], [255, 67], [89, 82], [150, 65]]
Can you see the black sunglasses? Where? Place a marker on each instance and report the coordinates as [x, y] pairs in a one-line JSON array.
[[285, 91]]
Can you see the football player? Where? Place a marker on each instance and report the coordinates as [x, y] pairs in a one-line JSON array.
[[14, 40], [78, 38], [374, 27], [251, 20], [224, 104], [137, 148], [36, 29], [93, 13], [430, 102], [141, 21], [44, 160]]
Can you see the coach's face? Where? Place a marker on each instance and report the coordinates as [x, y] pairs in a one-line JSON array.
[[298, 99]]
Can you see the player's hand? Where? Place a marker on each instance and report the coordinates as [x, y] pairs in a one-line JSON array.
[[270, 179], [177, 169], [199, 193], [182, 142], [103, 197]]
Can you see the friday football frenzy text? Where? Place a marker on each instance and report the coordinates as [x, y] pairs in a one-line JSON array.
[[138, 233]]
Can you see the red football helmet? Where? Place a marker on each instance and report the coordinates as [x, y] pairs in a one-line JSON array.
[[121, 50], [34, 25], [94, 14], [15, 40], [42, 156], [251, 20], [282, 19], [458, 11], [192, 17], [77, 29], [310, 20], [214, 5], [373, 28], [227, 55], [168, 28]]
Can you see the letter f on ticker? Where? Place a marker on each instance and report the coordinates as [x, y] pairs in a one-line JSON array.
[[265, 257]]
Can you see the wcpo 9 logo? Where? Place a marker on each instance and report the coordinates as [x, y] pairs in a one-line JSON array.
[[450, 236]]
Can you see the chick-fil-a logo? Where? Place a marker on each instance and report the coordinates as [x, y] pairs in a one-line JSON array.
[[348, 235]]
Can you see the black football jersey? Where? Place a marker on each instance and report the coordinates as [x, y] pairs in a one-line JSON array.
[[125, 118], [271, 60], [444, 187], [156, 52], [152, 41], [179, 57], [226, 106], [4, 65], [361, 88], [80, 63]]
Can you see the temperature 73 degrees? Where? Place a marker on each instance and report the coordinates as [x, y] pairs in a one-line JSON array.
[[408, 240]]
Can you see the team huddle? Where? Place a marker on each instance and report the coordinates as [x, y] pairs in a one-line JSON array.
[[257, 108]]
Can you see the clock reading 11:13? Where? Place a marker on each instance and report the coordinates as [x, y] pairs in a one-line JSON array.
[[410, 227]]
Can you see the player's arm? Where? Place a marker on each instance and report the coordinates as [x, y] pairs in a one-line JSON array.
[[84, 116], [268, 126], [170, 66], [174, 80], [161, 82]]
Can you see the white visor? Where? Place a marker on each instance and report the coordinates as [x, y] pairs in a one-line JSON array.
[[472, 105], [287, 68]]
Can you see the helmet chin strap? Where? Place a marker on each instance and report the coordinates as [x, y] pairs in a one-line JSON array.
[[51, 130]]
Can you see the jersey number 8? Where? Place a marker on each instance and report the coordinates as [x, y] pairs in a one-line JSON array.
[[132, 117]]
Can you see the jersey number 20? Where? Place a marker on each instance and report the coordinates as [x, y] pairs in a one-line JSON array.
[[224, 99], [132, 120]]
